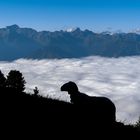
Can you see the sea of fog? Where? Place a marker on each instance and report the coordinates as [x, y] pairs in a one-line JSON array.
[[116, 78]]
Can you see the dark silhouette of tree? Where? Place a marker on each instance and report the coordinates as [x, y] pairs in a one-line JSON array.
[[15, 80], [36, 91], [2, 80]]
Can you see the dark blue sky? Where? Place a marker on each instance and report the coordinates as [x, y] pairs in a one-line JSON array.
[[97, 15]]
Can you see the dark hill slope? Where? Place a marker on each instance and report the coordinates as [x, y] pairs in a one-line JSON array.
[[20, 110]]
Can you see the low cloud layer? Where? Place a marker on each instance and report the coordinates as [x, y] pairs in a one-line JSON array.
[[116, 78]]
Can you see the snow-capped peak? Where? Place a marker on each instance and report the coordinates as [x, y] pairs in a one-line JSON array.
[[71, 29], [137, 31]]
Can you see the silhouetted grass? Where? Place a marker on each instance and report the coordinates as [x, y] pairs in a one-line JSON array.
[[32, 110]]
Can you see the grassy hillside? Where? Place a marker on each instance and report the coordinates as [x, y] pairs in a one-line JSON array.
[[25, 110]]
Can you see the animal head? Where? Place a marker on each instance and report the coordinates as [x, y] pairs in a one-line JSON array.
[[70, 87]]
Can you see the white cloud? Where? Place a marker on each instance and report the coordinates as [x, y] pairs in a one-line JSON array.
[[116, 78]]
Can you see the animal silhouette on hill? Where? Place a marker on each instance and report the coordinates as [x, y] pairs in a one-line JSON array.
[[100, 108]]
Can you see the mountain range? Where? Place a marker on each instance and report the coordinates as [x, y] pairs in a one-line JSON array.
[[16, 42]]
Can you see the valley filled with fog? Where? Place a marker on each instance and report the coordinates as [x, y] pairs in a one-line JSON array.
[[116, 78]]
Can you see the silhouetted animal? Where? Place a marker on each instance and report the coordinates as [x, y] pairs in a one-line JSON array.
[[101, 108]]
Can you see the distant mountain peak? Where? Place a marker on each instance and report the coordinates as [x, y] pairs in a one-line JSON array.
[[77, 29], [73, 29], [13, 27], [70, 29], [136, 31], [112, 32], [107, 33]]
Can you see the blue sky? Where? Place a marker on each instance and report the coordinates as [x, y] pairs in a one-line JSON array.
[[96, 15]]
